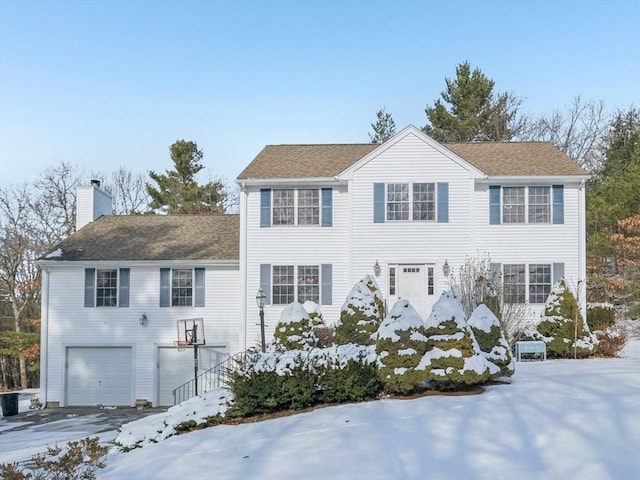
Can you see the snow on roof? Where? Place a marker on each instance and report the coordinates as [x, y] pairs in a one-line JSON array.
[[55, 254], [483, 319], [446, 308], [402, 317]]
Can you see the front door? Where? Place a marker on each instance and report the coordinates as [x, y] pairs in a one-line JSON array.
[[416, 284]]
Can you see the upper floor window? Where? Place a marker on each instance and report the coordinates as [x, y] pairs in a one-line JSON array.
[[410, 201], [303, 206], [106, 287], [283, 207], [526, 204], [308, 207], [182, 287], [284, 284]]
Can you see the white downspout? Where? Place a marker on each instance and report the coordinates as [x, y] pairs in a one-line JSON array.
[[44, 335], [243, 268], [582, 248]]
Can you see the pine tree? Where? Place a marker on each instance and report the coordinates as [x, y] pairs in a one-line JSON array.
[[178, 191], [472, 111], [384, 128]]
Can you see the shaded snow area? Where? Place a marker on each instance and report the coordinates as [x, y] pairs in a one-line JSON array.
[[558, 419]]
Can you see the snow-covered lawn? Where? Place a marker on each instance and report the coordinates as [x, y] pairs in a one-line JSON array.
[[559, 419]]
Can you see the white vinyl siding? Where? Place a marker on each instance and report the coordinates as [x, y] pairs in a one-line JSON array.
[[109, 327]]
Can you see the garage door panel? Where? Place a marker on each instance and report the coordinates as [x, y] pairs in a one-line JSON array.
[[99, 376], [176, 367]]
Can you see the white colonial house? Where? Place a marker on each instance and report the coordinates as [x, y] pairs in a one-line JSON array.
[[314, 219]]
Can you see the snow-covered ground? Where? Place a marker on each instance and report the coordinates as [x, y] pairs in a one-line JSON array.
[[558, 419]]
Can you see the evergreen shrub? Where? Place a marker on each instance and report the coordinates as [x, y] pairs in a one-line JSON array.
[[491, 339], [600, 316], [563, 323], [361, 314]]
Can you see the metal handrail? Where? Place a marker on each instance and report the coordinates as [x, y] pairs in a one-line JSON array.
[[215, 377]]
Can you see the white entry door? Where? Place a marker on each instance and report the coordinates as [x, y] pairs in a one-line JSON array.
[[416, 284], [99, 376], [175, 367]]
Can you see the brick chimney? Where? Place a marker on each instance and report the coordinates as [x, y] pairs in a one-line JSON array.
[[91, 203]]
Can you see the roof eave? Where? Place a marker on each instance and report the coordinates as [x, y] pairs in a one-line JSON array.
[[137, 263], [533, 178], [249, 182]]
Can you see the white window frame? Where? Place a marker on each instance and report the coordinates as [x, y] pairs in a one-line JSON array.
[[182, 287], [536, 283], [401, 199], [531, 210], [295, 210], [102, 298], [308, 283], [296, 289]]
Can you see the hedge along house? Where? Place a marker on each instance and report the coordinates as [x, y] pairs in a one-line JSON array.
[[314, 219], [112, 294]]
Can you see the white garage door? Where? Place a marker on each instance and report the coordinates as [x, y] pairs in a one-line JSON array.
[[99, 376], [176, 367]]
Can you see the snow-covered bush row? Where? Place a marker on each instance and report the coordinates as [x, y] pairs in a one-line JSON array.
[[292, 379]]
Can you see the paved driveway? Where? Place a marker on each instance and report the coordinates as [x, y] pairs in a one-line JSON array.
[[28, 433]]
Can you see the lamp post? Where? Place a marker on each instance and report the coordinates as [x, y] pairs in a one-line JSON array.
[[260, 299]]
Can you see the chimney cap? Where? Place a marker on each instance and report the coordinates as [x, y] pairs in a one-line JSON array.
[[95, 183]]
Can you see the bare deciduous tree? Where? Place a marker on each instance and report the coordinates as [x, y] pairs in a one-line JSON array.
[[477, 283], [578, 131]]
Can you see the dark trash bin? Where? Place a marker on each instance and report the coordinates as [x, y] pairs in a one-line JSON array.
[[9, 403]]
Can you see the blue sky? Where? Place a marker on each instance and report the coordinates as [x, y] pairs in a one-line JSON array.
[[111, 83]]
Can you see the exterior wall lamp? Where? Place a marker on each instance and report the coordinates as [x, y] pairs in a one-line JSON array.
[[260, 301], [376, 269], [143, 319], [445, 268]]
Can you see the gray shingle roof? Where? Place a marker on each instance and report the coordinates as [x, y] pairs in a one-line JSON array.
[[329, 160], [154, 237], [516, 158], [300, 161]]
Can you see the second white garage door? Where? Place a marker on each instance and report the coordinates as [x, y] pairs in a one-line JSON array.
[[176, 367], [99, 376]]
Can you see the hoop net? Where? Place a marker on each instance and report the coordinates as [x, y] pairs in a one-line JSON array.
[[181, 345]]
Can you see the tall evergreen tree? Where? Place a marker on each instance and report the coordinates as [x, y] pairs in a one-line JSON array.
[[384, 128], [178, 191], [470, 111]]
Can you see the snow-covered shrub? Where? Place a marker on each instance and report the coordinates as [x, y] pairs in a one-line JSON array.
[[491, 340], [314, 312], [361, 313], [562, 327], [346, 373], [600, 316], [400, 346], [279, 380], [272, 381], [453, 360], [294, 330], [611, 340]]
